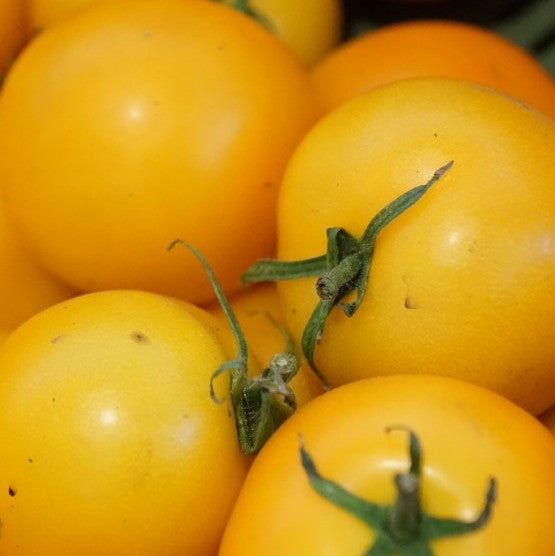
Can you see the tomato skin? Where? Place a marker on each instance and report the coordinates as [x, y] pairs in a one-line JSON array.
[[460, 283], [139, 122], [109, 438], [468, 434], [25, 288], [13, 32], [426, 48], [310, 28]]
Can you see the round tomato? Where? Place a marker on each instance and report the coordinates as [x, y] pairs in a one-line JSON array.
[[260, 315], [461, 283], [310, 28], [425, 48], [134, 123], [110, 441], [13, 32], [468, 435], [25, 288]]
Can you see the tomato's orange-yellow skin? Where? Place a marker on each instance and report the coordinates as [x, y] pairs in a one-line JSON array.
[[428, 48], [255, 308], [134, 123], [13, 32], [461, 283], [310, 28], [468, 434], [25, 288], [548, 418], [110, 441]]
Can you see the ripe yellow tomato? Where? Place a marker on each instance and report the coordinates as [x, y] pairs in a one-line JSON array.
[[310, 28], [460, 283], [426, 48], [110, 441], [25, 288], [133, 123], [13, 32], [259, 312], [468, 435]]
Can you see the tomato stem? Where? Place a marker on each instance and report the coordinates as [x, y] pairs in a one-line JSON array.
[[404, 527], [342, 270], [260, 403]]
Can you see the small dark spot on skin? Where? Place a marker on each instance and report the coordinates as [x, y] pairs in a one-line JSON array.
[[410, 303], [229, 413], [56, 339], [435, 134], [147, 34], [53, 400], [30, 460], [139, 337], [12, 491]]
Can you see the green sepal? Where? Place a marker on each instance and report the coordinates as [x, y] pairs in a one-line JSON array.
[[260, 403], [404, 527], [342, 270], [244, 6], [274, 270]]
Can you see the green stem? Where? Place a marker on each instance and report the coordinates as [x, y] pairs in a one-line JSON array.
[[260, 403]]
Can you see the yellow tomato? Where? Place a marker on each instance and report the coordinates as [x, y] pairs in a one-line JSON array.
[[110, 441], [133, 123], [432, 48], [310, 28], [468, 435], [13, 32], [461, 283], [259, 313], [25, 288]]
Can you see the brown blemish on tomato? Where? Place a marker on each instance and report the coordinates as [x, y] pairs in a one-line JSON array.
[[140, 338]]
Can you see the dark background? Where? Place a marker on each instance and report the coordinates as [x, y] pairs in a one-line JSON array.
[[529, 23]]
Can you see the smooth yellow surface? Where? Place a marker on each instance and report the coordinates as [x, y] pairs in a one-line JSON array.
[[110, 441], [310, 28], [25, 288], [468, 435], [462, 283]]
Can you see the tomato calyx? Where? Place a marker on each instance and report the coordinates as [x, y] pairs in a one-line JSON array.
[[263, 402], [403, 527], [342, 270]]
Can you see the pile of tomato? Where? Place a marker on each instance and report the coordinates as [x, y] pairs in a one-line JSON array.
[[190, 187]]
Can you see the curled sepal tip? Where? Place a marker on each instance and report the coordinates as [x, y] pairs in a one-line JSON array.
[[403, 527], [260, 403]]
